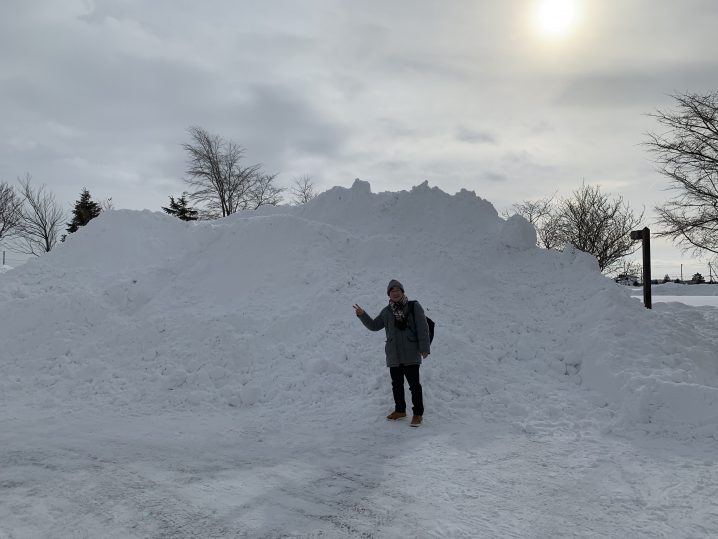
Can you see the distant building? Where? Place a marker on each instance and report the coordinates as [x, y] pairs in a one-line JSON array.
[[628, 279]]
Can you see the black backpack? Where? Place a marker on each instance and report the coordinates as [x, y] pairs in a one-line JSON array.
[[428, 321]]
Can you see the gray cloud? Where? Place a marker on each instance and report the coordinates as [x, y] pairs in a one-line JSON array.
[[493, 176], [465, 134], [622, 89], [277, 117]]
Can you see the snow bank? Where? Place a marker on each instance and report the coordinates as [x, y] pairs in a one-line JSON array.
[[143, 312]]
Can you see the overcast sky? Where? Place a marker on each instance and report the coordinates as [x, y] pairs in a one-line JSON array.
[[475, 94]]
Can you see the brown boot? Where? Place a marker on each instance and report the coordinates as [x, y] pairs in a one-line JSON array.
[[416, 421], [396, 415]]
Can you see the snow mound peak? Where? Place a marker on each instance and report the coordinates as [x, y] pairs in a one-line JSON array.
[[423, 210], [518, 232]]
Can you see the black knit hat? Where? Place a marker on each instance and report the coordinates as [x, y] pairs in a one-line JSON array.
[[394, 284]]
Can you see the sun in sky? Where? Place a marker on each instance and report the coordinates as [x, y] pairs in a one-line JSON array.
[[555, 18]]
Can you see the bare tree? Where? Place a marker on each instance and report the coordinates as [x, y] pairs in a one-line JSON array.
[[534, 211], [302, 190], [10, 211], [264, 192], [42, 219], [588, 219], [107, 204], [687, 153], [218, 179], [548, 233], [597, 224]]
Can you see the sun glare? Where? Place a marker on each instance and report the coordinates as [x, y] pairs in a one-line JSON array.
[[555, 18]]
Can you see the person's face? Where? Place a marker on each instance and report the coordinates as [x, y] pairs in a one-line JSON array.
[[395, 294]]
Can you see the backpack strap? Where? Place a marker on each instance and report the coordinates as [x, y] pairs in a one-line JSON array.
[[411, 310]]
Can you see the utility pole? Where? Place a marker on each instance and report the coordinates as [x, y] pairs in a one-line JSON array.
[[681, 272]]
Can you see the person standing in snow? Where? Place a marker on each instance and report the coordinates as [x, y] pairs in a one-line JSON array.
[[407, 343]]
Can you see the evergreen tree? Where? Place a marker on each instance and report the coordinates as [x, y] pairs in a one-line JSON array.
[[179, 208], [85, 210]]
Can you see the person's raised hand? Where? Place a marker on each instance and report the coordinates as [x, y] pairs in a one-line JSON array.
[[358, 310]]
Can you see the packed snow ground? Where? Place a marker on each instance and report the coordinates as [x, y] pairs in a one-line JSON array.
[[170, 379]]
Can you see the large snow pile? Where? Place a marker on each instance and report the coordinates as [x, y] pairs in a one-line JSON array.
[[143, 312]]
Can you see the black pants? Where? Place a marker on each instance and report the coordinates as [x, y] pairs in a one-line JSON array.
[[397, 387]]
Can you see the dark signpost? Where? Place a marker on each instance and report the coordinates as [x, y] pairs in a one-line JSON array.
[[645, 235]]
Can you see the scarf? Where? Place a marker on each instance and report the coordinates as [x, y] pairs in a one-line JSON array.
[[398, 308]]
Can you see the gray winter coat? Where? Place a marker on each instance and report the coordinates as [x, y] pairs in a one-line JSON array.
[[403, 347]]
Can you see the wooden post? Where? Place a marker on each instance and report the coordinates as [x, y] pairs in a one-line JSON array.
[[645, 236], [647, 300]]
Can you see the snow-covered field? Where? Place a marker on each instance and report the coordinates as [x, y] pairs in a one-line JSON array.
[[166, 379], [697, 301], [690, 294], [673, 289]]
